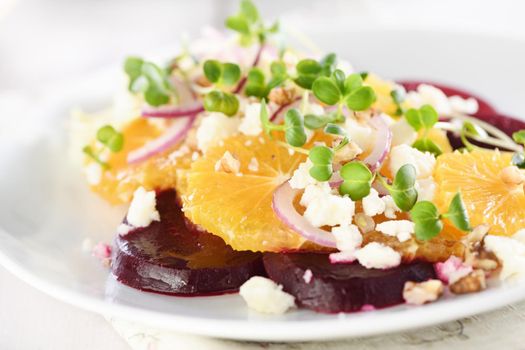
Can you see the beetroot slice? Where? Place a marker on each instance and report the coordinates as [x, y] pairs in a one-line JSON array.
[[485, 108], [341, 287], [171, 257]]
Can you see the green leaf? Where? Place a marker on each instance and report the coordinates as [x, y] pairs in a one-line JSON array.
[[429, 116], [212, 70], [357, 180], [255, 84], [313, 122], [155, 96], [305, 81], [265, 119], [427, 145], [352, 82], [294, 132], [278, 69], [239, 24], [308, 67], [88, 151], [133, 68], [413, 117], [402, 189], [427, 221], [328, 64], [519, 137], [231, 73], [457, 213], [249, 11], [326, 91], [321, 157], [334, 129], [363, 75], [398, 96], [361, 98], [218, 101], [338, 76]]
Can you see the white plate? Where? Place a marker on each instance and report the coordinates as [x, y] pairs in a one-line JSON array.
[[46, 210]]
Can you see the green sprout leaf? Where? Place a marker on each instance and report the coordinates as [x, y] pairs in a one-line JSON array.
[[328, 64], [427, 221], [88, 151], [321, 157], [294, 128], [249, 11], [111, 138], [247, 22], [357, 180], [133, 68], [361, 98], [403, 190], [255, 84], [314, 122], [427, 145], [457, 213], [352, 83], [398, 96], [221, 73], [467, 130], [423, 118], [218, 101], [326, 90], [519, 137], [212, 70]]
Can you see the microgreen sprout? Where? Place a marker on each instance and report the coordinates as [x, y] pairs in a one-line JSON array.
[[321, 157], [308, 70], [518, 159], [313, 122], [357, 180], [110, 139], [398, 97], [428, 221], [248, 23], [149, 79], [256, 84], [221, 75], [334, 129], [424, 119], [468, 130], [293, 126], [340, 90], [402, 189]]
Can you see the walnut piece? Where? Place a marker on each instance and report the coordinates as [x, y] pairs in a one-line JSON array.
[[472, 283], [282, 96], [347, 153], [228, 164], [423, 292]]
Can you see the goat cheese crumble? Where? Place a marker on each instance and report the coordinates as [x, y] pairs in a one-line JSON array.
[[251, 123], [347, 238], [301, 176], [404, 154], [378, 256], [142, 210], [264, 295], [215, 127], [372, 204], [330, 210], [511, 253], [402, 229]]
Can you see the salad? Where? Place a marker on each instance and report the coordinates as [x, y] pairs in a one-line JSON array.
[[250, 166]]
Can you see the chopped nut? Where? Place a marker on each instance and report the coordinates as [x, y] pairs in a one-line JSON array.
[[202, 81], [476, 236], [472, 283], [423, 292], [282, 96], [228, 163], [347, 153], [511, 175]]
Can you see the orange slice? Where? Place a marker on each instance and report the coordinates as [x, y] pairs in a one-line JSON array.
[[488, 199], [238, 207]]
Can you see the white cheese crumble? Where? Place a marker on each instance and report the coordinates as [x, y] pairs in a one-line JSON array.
[[253, 166], [402, 229], [372, 204], [428, 94], [314, 191], [264, 295], [461, 105], [215, 127], [390, 207], [301, 176], [307, 276], [347, 238], [511, 253], [402, 133], [330, 210], [425, 189], [251, 123], [378, 256], [362, 134], [404, 154], [142, 209], [93, 173], [124, 229]]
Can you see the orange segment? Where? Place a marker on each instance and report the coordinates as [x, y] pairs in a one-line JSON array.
[[440, 138], [487, 198], [160, 172], [238, 208]]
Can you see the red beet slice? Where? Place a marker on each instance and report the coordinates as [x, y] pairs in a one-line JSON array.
[[171, 257], [341, 287], [485, 108]]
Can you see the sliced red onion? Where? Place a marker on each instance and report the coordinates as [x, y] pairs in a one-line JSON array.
[[173, 111], [336, 180], [174, 134], [283, 207], [382, 143], [276, 116], [378, 186]]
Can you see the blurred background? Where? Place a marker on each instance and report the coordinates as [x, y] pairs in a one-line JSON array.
[[44, 42]]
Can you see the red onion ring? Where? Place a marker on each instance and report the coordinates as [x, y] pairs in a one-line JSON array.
[[282, 108], [172, 136], [382, 143], [336, 180], [173, 111], [283, 207]]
